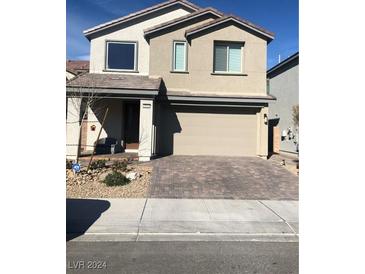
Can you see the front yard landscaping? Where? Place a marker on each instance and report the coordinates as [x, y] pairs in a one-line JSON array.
[[109, 180]]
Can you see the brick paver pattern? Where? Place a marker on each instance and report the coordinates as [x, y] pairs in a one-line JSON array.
[[221, 178]]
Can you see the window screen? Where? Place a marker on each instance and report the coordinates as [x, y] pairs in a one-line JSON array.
[[227, 57]]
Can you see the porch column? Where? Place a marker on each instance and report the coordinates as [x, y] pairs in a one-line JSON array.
[[72, 127], [146, 134], [263, 132]]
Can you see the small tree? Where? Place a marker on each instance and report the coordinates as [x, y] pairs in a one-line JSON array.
[[83, 97]]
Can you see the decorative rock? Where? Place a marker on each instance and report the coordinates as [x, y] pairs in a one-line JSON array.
[[131, 175]]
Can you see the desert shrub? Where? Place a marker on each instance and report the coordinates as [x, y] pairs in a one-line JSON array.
[[68, 164], [98, 164], [120, 165], [116, 179]]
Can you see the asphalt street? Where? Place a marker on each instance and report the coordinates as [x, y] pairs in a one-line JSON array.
[[182, 257]]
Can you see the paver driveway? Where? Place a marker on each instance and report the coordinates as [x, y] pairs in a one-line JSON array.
[[221, 178]]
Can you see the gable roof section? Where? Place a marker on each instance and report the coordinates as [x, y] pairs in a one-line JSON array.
[[182, 19], [231, 18], [140, 13], [287, 61]]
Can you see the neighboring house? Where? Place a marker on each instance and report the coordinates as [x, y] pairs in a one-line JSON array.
[[283, 83], [75, 67], [176, 79]]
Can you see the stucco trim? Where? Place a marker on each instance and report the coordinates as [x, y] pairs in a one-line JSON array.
[[112, 91], [265, 99], [217, 105]]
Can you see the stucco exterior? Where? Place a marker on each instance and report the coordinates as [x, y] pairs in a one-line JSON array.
[[213, 116], [130, 32], [284, 85], [200, 62]]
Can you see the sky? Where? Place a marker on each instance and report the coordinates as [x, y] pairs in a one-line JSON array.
[[278, 16]]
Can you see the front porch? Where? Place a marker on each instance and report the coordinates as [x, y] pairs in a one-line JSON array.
[[110, 121]]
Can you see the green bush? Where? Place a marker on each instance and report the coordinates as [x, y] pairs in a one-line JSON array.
[[68, 164], [117, 165], [98, 164], [116, 179]]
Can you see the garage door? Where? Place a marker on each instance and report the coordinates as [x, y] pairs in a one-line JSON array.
[[202, 131]]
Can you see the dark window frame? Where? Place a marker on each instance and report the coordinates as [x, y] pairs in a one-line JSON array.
[[135, 43]]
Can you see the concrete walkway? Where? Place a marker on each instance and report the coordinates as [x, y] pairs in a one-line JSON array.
[[181, 219]]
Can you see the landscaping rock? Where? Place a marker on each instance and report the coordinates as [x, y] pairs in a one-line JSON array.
[[131, 175], [84, 185]]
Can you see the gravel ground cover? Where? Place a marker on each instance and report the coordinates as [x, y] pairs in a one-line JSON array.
[[91, 185]]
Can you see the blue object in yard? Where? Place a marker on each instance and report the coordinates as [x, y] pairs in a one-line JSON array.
[[76, 167]]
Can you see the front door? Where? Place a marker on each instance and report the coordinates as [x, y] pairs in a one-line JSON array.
[[132, 125]]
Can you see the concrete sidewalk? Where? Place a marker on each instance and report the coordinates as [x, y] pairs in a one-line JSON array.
[[182, 219]]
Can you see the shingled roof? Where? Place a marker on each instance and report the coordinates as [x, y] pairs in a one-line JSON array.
[[114, 81], [181, 19], [228, 18], [137, 14], [77, 66]]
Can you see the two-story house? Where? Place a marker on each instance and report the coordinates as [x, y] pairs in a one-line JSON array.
[[176, 79]]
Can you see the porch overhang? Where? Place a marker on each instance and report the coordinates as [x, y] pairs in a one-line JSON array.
[[215, 100], [111, 93], [108, 85]]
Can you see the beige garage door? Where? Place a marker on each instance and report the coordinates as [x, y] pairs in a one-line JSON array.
[[228, 132]]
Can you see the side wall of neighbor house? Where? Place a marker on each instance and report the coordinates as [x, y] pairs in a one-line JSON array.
[[199, 78], [114, 123], [130, 32], [285, 86]]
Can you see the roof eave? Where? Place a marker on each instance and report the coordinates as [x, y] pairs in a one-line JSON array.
[[283, 63], [149, 32], [121, 20], [269, 36]]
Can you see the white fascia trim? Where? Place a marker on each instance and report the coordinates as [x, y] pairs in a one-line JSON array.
[[120, 19]]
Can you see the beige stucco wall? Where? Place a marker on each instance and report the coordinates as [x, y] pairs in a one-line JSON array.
[[130, 33], [200, 63], [72, 127]]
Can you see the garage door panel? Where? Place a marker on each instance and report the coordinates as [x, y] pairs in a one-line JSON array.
[[223, 133]]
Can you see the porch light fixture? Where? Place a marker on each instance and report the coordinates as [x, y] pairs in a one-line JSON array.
[[265, 119]]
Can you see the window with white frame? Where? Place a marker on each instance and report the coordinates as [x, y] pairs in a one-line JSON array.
[[228, 57], [179, 56], [121, 56]]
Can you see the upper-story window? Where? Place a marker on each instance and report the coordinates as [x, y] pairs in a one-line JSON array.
[[228, 57], [121, 56], [179, 56]]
